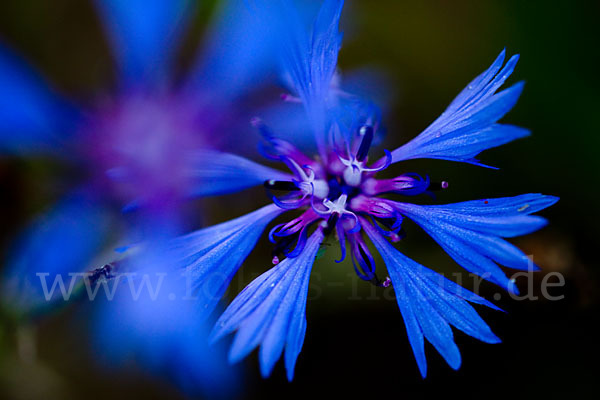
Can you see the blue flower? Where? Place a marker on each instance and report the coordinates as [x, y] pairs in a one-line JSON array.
[[338, 193], [149, 321], [137, 149]]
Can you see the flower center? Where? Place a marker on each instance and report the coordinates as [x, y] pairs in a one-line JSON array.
[[143, 143], [339, 193]]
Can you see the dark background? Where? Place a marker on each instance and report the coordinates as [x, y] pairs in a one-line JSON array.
[[429, 51]]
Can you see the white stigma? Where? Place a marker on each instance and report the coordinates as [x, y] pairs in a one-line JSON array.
[[353, 173], [310, 186], [338, 207], [354, 169]]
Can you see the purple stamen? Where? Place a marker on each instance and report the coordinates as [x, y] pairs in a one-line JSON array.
[[272, 233], [409, 184], [342, 241], [299, 245], [281, 148], [363, 262], [354, 185], [331, 223], [287, 205], [295, 225], [356, 226]]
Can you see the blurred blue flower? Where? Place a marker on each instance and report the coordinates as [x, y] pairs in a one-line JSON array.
[[147, 319], [137, 150], [338, 192]]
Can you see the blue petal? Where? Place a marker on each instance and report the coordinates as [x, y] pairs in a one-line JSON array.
[[144, 35], [217, 173], [524, 204], [238, 53], [290, 122], [431, 303], [60, 243], [32, 118], [468, 126], [326, 43], [470, 232], [152, 321], [211, 256], [308, 59], [271, 312]]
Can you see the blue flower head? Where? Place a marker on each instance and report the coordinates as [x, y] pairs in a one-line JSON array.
[[139, 149], [148, 319], [339, 195]]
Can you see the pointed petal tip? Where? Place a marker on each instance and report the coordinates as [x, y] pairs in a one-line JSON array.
[[217, 333], [488, 304], [266, 367], [534, 202], [537, 201], [422, 365], [523, 132], [550, 200], [475, 161], [512, 288], [517, 87], [290, 372], [455, 362], [493, 339], [500, 57], [214, 336], [514, 59], [236, 354]]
